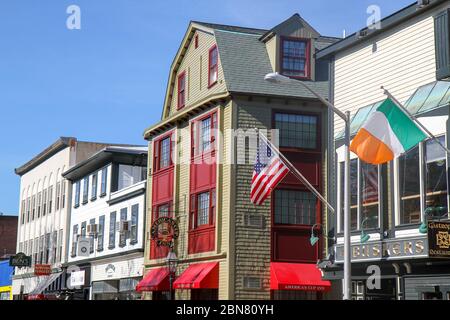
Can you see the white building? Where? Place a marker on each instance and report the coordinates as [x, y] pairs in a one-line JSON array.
[[410, 56], [107, 223], [44, 208]]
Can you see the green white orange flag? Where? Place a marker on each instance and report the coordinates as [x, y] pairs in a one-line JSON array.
[[387, 133]]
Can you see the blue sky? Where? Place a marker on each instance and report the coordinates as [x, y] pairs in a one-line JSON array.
[[106, 82]]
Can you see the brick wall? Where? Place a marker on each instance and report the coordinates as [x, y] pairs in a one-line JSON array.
[[8, 235]]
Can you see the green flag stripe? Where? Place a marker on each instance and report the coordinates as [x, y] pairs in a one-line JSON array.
[[407, 132]]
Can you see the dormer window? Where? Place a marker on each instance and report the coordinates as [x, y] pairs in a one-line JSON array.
[[181, 90], [295, 57]]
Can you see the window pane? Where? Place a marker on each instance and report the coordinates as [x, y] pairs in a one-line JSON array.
[[353, 194], [129, 175], [294, 57], [112, 230], [203, 209], [409, 184], [206, 134], [163, 211], [297, 131], [165, 153], [369, 195], [295, 207], [104, 181], [436, 180]]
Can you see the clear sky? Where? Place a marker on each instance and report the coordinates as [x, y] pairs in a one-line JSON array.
[[106, 82]]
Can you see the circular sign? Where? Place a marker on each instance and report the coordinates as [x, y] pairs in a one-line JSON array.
[[164, 231]]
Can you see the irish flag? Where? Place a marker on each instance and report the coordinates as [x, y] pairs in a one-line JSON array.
[[387, 133]]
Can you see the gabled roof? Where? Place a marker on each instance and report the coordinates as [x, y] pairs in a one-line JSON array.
[[231, 28], [294, 19], [245, 62]]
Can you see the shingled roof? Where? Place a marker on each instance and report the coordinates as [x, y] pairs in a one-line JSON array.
[[245, 62]]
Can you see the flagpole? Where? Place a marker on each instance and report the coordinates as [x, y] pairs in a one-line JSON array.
[[413, 118], [298, 174], [347, 281]]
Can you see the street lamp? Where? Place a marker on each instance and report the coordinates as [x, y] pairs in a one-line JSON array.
[[314, 239], [364, 236], [172, 263], [275, 77]]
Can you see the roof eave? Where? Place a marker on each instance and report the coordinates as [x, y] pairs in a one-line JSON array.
[[56, 147], [387, 23]]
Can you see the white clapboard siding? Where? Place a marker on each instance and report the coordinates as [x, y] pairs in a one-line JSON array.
[[403, 61]]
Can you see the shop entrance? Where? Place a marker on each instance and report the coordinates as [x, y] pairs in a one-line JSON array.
[[386, 291]]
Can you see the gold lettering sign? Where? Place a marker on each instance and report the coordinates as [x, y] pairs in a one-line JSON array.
[[443, 240]]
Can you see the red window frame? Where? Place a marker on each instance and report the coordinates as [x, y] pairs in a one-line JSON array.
[[158, 206], [194, 207], [307, 69], [181, 98], [213, 67], [196, 134], [157, 153]]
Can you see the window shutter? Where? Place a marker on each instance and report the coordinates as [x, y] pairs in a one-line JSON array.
[[442, 44]]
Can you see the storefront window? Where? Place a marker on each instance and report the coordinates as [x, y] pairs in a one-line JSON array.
[[409, 184], [369, 195], [353, 194], [364, 195], [436, 180]]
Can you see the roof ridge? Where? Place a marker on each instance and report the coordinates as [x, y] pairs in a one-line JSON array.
[[227, 25]]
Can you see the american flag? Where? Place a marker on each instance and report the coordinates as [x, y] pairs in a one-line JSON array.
[[268, 171]]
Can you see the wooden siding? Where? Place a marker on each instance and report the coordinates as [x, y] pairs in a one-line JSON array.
[[253, 245], [195, 64], [403, 61]]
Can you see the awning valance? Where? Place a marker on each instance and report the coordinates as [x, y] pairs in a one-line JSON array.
[[297, 276], [155, 280], [199, 276]]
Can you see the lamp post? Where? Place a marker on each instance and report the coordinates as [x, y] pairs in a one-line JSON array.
[[172, 263], [275, 77]]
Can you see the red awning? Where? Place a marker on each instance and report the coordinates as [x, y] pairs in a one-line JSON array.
[[199, 276], [297, 276], [155, 280]]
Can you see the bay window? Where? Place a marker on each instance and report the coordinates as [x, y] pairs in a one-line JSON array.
[[295, 57]]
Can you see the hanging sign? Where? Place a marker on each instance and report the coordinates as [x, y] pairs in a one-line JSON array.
[[438, 239], [164, 231], [20, 260], [42, 269]]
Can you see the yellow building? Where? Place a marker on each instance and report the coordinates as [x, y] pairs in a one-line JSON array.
[[201, 161]]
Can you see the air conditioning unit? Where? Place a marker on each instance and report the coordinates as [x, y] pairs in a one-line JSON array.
[[123, 226], [422, 3], [362, 33], [92, 229]]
